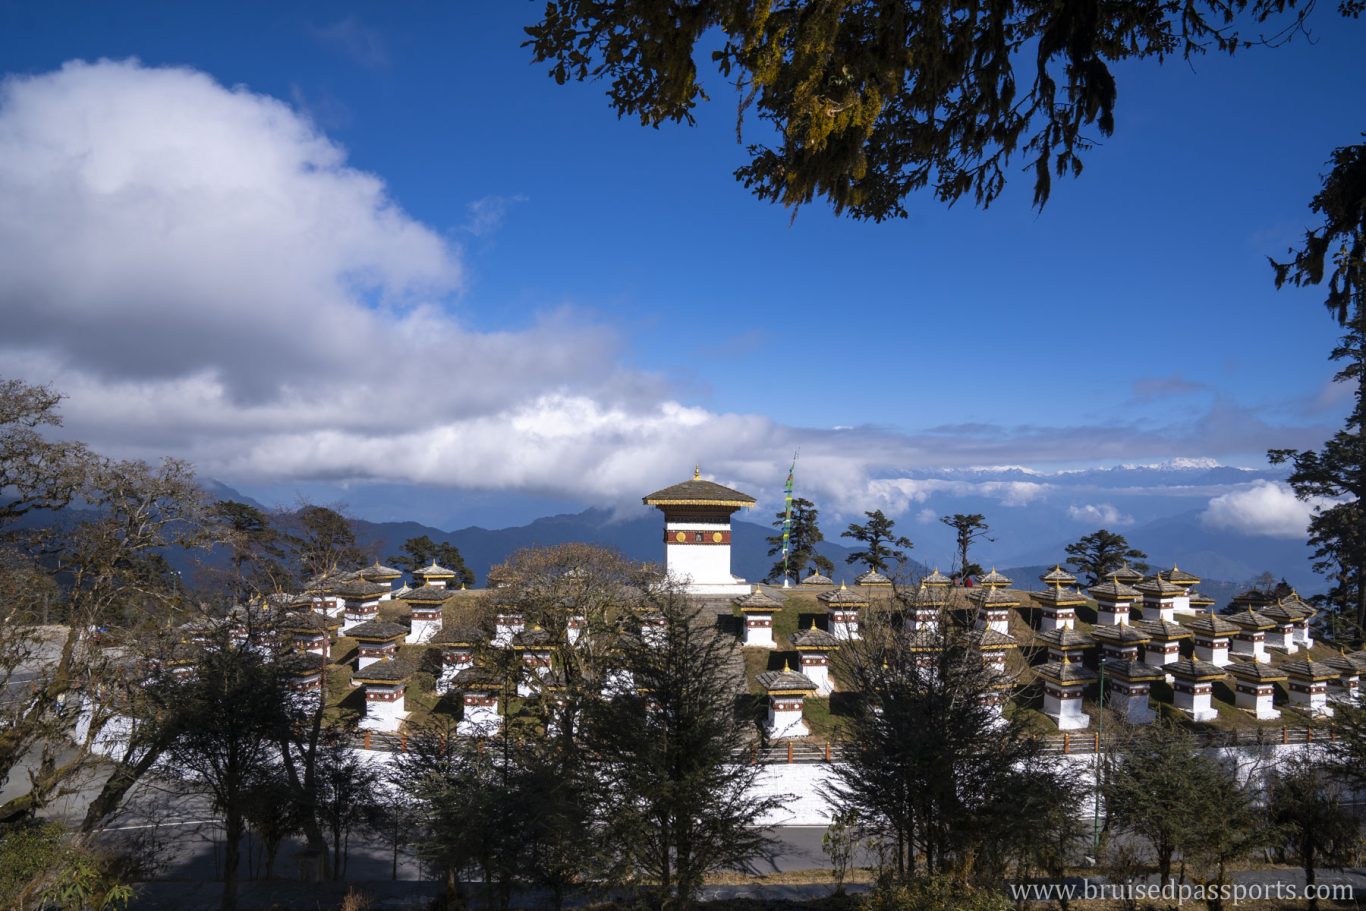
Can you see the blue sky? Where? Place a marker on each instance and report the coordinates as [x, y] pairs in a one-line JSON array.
[[1133, 319]]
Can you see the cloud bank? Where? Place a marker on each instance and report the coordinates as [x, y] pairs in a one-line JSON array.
[[203, 274], [1265, 508]]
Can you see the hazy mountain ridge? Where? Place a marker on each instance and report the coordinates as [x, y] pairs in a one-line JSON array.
[[1033, 515]]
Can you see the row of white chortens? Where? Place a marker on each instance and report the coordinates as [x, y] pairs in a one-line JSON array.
[[1137, 630]]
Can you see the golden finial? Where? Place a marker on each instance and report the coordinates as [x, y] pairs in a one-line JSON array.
[[787, 666], [813, 623], [842, 588], [697, 472]]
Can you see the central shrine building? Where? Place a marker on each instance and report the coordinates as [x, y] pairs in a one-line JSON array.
[[697, 534]]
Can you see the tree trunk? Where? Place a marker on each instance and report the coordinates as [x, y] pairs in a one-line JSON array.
[[336, 852], [1310, 878], [1164, 864], [107, 802], [231, 858]]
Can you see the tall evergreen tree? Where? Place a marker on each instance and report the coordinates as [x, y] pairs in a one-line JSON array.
[[1337, 249], [1309, 813], [930, 765], [255, 546], [881, 545], [422, 550], [1335, 477], [967, 528], [801, 543], [1163, 789], [674, 801], [1100, 553], [222, 731], [322, 542]]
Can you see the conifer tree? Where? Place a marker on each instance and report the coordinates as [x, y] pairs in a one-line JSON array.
[[1097, 555], [422, 550], [1337, 471], [801, 543], [929, 763], [967, 528], [881, 545], [674, 802]]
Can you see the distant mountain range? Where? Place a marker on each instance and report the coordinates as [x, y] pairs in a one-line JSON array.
[[1163, 509]]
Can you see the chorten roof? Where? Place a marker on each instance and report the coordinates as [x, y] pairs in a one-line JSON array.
[[993, 579], [478, 679], [1212, 625], [872, 578], [992, 597], [378, 570], [459, 635], [427, 594], [1122, 634], [1194, 669], [817, 579], [1067, 639], [377, 631], [1058, 597], [1199, 599], [1311, 670], [1156, 585], [931, 596], [1163, 630], [531, 639], [813, 639], [308, 621], [925, 639], [697, 492], [1058, 576], [1358, 658], [1278, 613], [1344, 665], [1250, 619], [435, 570], [386, 671], [1133, 671], [935, 578], [843, 596], [1070, 673], [1127, 574], [785, 681], [1180, 576], [758, 601], [1256, 672], [989, 639], [358, 588], [1254, 596], [1292, 602], [1114, 590], [302, 664]]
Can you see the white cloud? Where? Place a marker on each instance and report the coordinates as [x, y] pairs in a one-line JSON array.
[[487, 214], [926, 516], [898, 494], [204, 275], [1104, 514], [1264, 508]]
